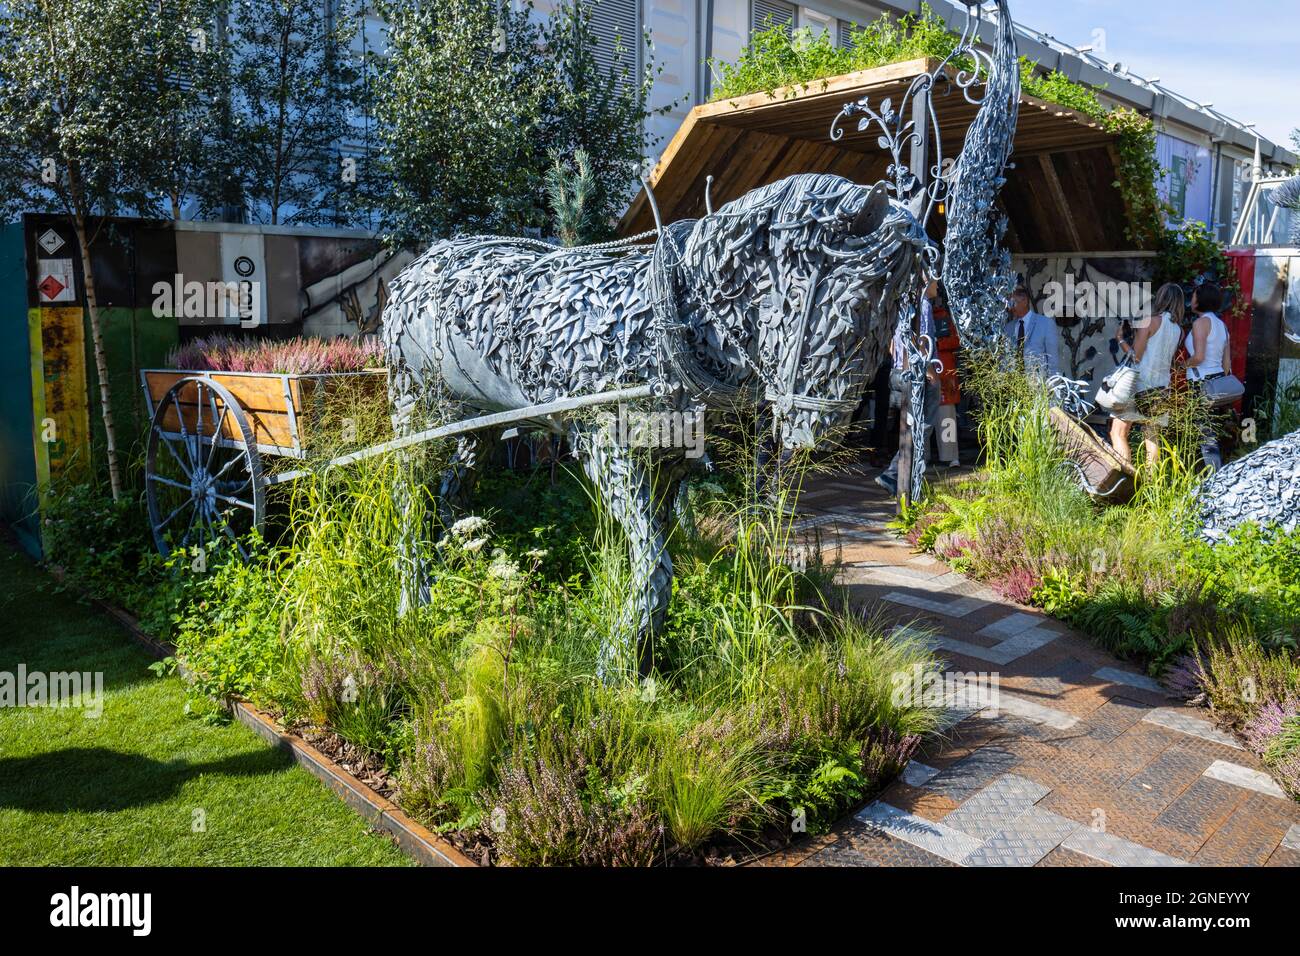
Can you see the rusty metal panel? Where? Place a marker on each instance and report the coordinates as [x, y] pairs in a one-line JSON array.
[[1268, 299], [282, 282]]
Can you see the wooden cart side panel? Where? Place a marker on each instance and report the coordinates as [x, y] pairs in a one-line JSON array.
[[279, 407], [261, 397]]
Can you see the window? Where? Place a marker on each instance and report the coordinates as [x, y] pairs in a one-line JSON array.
[[844, 33], [617, 25], [781, 14]]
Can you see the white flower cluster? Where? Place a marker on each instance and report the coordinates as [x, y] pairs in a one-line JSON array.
[[468, 526]]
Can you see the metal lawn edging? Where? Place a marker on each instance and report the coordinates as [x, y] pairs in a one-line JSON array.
[[415, 840]]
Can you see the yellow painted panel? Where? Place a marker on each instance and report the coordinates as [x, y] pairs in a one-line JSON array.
[[62, 416]]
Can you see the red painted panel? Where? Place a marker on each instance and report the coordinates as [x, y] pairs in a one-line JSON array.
[[1238, 318]]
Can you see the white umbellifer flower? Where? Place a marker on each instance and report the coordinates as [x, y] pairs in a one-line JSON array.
[[471, 524], [476, 545], [503, 569], [536, 554]]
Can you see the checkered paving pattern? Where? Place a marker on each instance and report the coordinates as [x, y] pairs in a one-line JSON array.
[[1076, 759]]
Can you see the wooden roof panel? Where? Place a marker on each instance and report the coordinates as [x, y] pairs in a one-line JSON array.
[[1059, 196]]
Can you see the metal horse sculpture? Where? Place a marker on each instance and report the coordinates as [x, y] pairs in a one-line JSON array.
[[784, 298]]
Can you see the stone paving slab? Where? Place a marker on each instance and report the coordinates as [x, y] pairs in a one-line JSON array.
[[1032, 710], [958, 608], [1239, 776], [1292, 839], [1033, 835], [1183, 722], [918, 774], [1130, 679], [1116, 850], [928, 835]]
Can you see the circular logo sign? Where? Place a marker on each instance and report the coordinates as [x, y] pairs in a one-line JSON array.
[[245, 266]]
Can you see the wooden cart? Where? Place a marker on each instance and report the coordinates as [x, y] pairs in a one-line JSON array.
[[1103, 474], [204, 475], [209, 431]]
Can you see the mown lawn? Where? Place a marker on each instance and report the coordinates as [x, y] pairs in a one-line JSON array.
[[143, 784]]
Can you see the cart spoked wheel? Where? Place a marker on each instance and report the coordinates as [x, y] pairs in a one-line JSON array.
[[203, 473]]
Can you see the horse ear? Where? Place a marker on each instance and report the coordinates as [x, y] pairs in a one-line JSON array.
[[873, 212]]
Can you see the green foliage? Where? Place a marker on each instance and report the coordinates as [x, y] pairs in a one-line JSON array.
[[773, 58], [106, 550], [1277, 409], [569, 189], [1138, 173], [86, 120], [1056, 87], [229, 635], [1060, 594], [1239, 674], [1189, 253], [771, 702], [474, 99], [294, 92], [1136, 576]]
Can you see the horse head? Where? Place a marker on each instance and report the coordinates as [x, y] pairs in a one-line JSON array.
[[801, 282]]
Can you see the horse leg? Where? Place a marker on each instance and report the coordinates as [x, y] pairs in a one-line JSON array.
[[462, 473], [625, 487], [407, 489]]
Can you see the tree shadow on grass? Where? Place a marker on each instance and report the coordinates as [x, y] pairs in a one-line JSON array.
[[97, 779]]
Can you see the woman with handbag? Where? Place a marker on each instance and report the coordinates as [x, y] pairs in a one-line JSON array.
[[1209, 362], [1154, 344]]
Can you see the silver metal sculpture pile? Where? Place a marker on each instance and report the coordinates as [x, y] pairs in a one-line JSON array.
[[1264, 486], [783, 300]]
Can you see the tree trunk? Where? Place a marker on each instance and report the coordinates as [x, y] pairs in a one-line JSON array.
[[101, 361]]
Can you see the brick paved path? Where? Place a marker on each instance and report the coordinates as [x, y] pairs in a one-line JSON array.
[[1086, 761]]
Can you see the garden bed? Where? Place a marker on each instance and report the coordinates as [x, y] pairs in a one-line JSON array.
[[1220, 623], [481, 716]]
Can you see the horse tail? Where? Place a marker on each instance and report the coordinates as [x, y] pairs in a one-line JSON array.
[[977, 273]]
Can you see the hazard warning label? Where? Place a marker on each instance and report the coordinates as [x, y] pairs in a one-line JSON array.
[[55, 281]]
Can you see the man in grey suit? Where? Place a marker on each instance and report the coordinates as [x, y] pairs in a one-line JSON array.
[[1033, 337]]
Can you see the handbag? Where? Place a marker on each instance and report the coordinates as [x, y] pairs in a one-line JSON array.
[[1223, 390], [1118, 388]]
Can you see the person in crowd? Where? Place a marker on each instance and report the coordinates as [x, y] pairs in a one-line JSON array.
[[1155, 341], [888, 479], [1034, 337], [1209, 356], [1121, 425]]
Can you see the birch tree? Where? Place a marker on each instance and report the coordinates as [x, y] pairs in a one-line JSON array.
[[295, 89], [81, 128]]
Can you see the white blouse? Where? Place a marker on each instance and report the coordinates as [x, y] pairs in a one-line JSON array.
[[1215, 343]]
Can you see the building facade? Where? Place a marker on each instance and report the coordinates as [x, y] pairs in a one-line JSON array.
[[1210, 157]]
